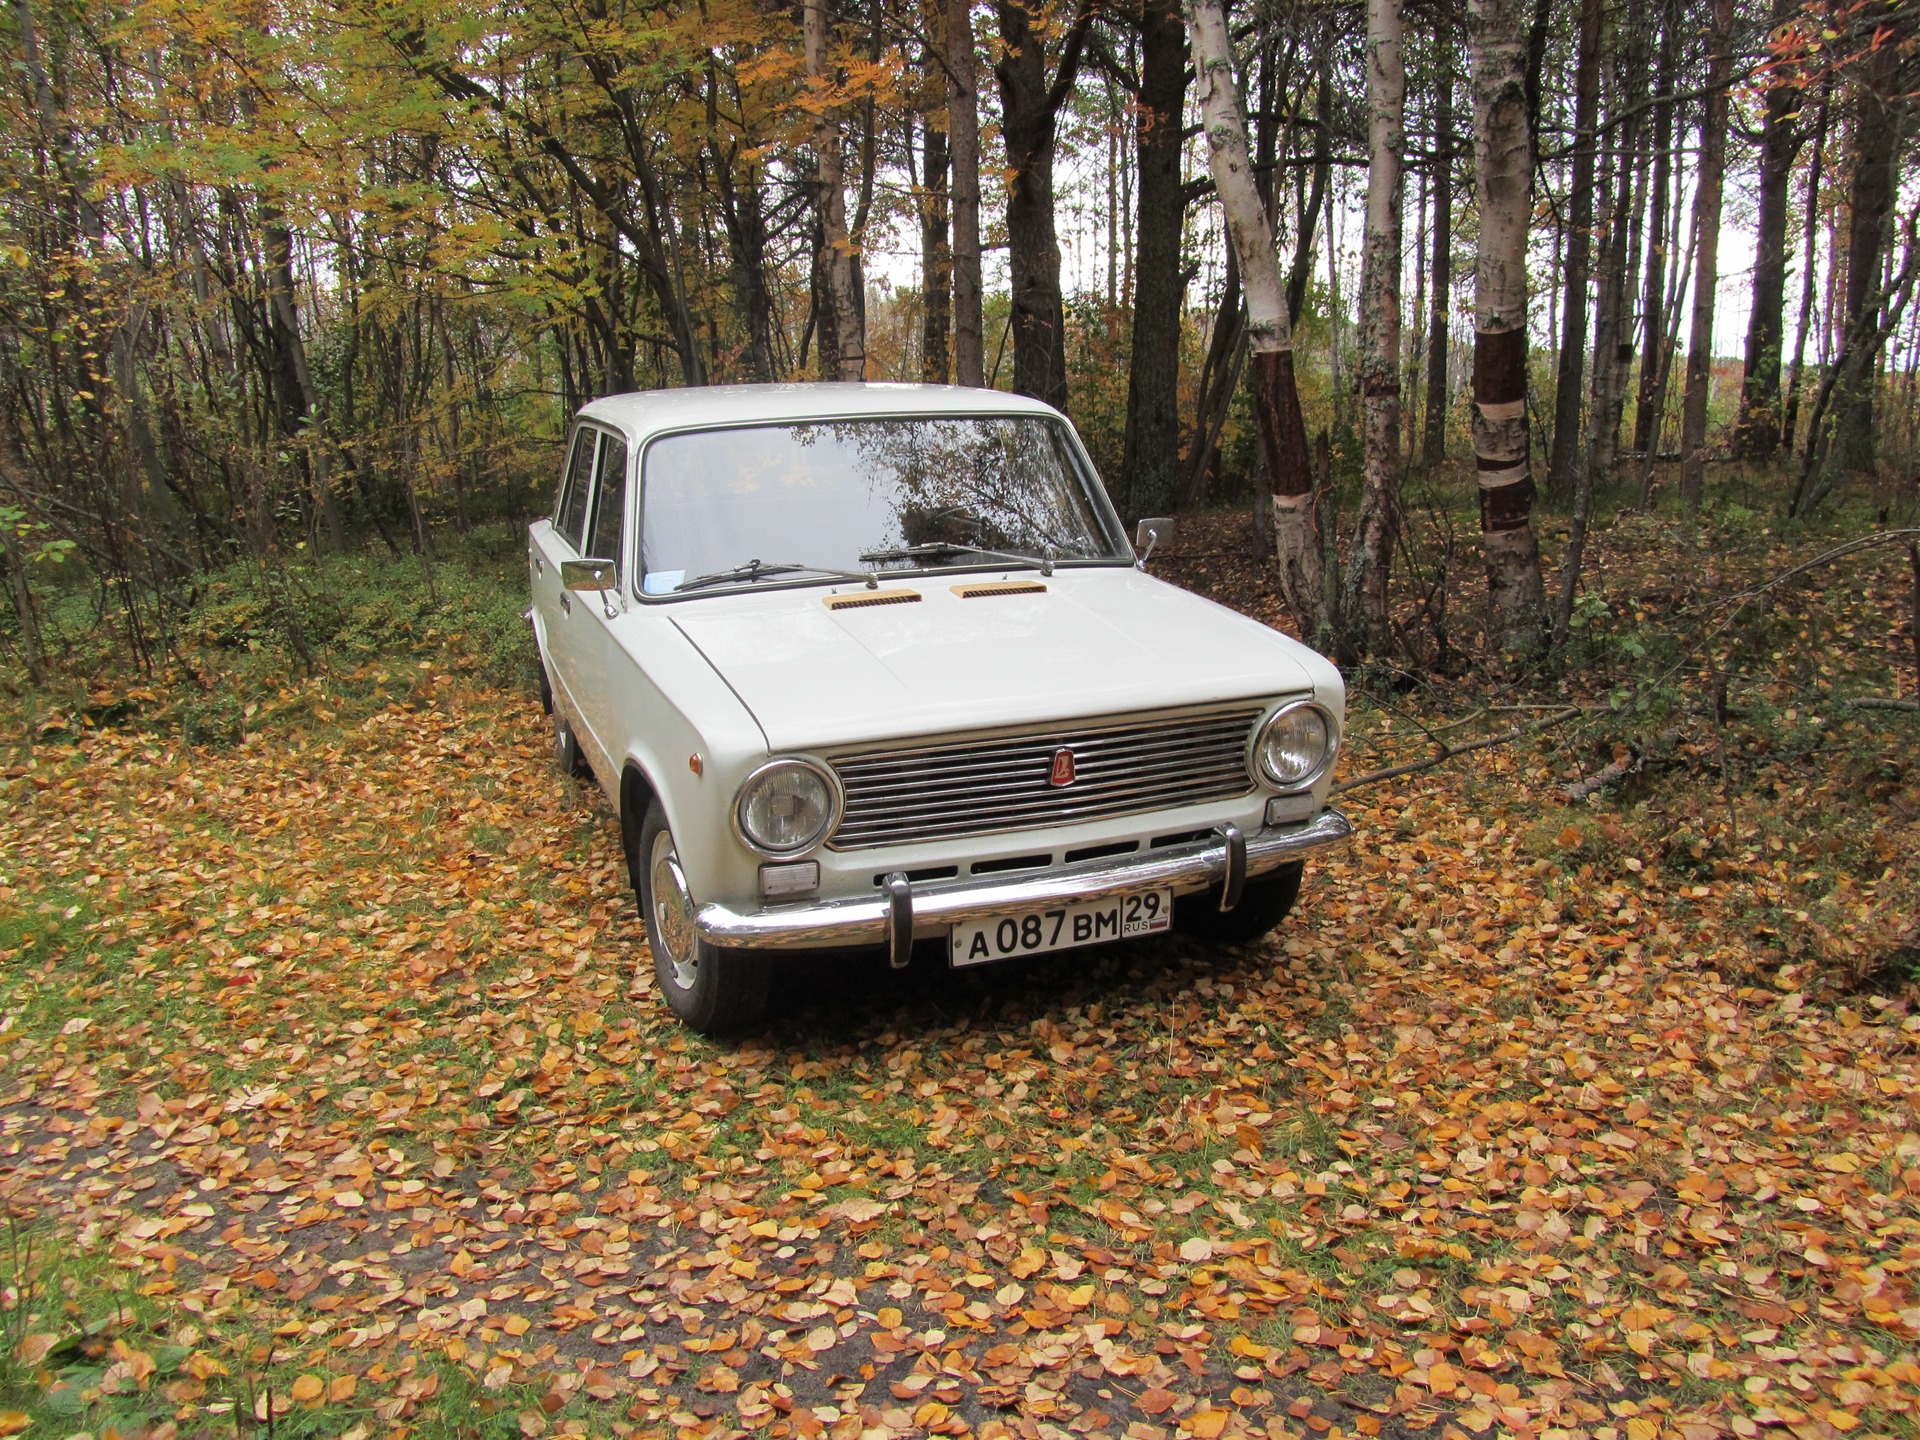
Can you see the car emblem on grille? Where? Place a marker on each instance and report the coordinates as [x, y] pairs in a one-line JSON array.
[[1064, 772]]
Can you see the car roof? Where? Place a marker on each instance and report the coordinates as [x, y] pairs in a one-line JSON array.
[[645, 413]]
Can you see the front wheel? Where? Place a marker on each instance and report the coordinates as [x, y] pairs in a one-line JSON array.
[[1263, 905], [709, 988]]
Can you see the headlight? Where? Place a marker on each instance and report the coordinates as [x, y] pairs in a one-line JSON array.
[[1297, 745], [786, 806]]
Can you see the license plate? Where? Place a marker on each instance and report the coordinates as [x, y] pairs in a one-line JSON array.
[[1094, 922]]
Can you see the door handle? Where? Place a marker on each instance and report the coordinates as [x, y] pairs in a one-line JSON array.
[[566, 602]]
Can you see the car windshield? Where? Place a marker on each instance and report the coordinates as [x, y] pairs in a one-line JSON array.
[[870, 494]]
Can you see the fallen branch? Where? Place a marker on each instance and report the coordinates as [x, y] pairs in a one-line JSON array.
[[1452, 752], [1875, 702], [1603, 777], [1617, 770]]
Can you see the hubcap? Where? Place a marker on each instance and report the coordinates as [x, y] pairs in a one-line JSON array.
[[672, 912]]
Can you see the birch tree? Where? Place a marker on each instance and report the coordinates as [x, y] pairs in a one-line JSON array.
[[1276, 398], [1503, 185], [1366, 609]]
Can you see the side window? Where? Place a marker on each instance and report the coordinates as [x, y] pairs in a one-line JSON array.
[[571, 519], [610, 507]]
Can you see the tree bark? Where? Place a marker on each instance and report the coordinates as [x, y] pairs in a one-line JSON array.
[[1660, 237], [1503, 168], [1573, 323], [936, 257], [1282, 431], [963, 138], [1706, 259], [839, 261], [1876, 149], [1810, 247], [1757, 434], [1435, 447], [1029, 122], [1365, 621], [1152, 444]]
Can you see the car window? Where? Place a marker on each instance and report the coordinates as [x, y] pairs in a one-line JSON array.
[[571, 516], [833, 492], [610, 505]]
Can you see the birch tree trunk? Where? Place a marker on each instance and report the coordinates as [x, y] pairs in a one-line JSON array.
[[1503, 167], [1276, 399], [1706, 271], [1373, 536], [839, 260]]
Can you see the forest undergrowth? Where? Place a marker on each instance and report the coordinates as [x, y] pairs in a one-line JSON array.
[[336, 1099]]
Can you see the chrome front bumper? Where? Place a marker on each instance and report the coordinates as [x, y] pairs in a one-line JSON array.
[[900, 911]]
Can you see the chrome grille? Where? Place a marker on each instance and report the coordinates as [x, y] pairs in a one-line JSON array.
[[985, 786]]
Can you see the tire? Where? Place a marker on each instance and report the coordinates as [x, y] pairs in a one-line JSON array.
[[1265, 902], [710, 989]]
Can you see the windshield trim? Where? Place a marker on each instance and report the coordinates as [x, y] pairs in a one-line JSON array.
[[1084, 472]]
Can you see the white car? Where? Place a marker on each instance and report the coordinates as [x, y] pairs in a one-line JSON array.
[[871, 665]]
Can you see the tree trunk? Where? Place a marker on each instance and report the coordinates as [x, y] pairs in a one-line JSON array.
[[1282, 431], [1366, 609], [963, 137], [1757, 434], [839, 262], [1503, 169], [1573, 324], [1029, 121], [936, 256], [1308, 215], [1876, 150], [1603, 410], [1706, 260], [1809, 247], [1653, 361], [1152, 446], [1435, 448]]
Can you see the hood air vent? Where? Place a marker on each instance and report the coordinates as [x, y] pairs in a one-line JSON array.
[[871, 597], [999, 587]]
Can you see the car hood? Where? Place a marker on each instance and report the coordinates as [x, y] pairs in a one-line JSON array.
[[1095, 642]]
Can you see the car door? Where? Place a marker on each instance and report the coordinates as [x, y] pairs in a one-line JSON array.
[[603, 667], [552, 542]]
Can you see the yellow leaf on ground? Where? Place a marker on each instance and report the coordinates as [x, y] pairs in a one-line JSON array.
[[1207, 1424], [307, 1389], [889, 1318], [12, 1422]]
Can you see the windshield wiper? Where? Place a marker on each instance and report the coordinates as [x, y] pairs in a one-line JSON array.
[[935, 548], [758, 570]]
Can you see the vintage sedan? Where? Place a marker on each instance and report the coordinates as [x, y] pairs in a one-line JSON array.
[[875, 665]]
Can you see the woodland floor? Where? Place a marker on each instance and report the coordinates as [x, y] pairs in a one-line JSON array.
[[334, 1090]]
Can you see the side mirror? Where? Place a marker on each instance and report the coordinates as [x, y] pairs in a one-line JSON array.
[[589, 577], [1149, 533]]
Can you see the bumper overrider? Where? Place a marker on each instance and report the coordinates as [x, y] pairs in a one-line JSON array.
[[901, 910]]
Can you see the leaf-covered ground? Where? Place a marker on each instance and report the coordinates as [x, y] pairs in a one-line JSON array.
[[342, 1041]]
